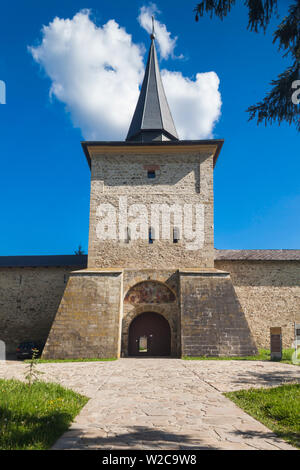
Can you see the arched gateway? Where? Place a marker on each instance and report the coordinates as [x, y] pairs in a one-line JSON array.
[[149, 335]]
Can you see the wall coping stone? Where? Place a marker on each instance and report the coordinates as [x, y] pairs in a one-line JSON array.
[[204, 273]]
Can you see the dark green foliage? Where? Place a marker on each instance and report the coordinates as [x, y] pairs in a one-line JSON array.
[[260, 11], [79, 250], [277, 105]]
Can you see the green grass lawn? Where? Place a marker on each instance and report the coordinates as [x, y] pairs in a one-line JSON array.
[[263, 355], [33, 418], [277, 408], [45, 361]]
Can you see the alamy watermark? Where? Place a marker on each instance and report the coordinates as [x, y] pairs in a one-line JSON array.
[[296, 353], [140, 222], [2, 92], [296, 345], [2, 351], [296, 94]]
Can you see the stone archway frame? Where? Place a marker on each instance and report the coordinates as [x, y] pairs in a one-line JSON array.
[[165, 310]]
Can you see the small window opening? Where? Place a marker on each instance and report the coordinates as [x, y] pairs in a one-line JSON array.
[[176, 235], [151, 235], [151, 174], [128, 237]]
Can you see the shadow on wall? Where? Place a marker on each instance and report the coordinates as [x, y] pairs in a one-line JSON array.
[[261, 273], [213, 322]]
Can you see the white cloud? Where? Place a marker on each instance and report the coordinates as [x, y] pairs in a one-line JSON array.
[[195, 104], [96, 72], [166, 44]]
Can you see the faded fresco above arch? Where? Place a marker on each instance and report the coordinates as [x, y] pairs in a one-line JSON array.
[[150, 292]]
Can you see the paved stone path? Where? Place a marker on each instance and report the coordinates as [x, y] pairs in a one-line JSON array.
[[163, 403]]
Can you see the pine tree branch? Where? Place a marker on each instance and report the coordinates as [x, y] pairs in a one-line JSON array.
[[260, 11], [278, 105], [219, 8], [288, 32]]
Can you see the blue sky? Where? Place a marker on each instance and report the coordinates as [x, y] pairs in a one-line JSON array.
[[45, 180]]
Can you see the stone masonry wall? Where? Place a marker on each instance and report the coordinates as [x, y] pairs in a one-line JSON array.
[[180, 179], [87, 324], [29, 299], [212, 320], [269, 292]]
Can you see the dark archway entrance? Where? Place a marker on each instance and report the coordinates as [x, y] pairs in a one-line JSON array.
[[149, 335]]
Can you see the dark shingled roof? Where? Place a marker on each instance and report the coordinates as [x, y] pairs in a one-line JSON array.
[[154, 143], [152, 119], [258, 255], [79, 261]]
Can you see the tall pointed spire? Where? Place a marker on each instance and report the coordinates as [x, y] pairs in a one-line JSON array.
[[152, 119]]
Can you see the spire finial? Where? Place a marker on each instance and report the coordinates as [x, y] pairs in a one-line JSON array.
[[152, 35]]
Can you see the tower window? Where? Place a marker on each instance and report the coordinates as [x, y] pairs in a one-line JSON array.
[[151, 235], [176, 235], [128, 238], [151, 174]]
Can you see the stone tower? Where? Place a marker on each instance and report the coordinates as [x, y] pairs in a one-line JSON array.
[[150, 287]]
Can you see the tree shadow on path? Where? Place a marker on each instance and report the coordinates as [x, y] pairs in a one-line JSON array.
[[137, 437]]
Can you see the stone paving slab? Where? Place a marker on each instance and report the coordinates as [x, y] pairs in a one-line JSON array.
[[163, 403]]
